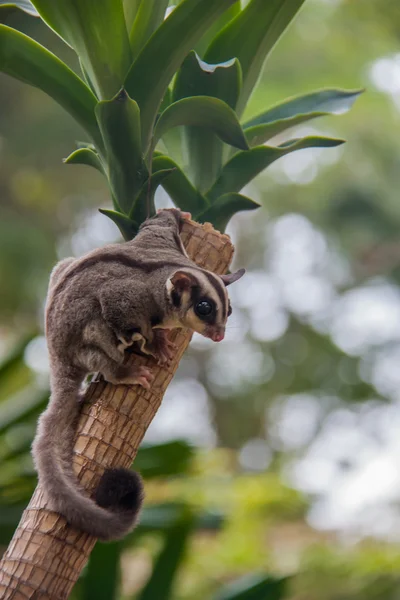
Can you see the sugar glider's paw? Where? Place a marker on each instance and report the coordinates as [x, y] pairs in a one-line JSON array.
[[141, 376], [135, 375], [164, 349]]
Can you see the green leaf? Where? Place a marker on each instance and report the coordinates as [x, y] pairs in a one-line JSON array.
[[161, 57], [166, 101], [149, 16], [127, 227], [169, 560], [255, 587], [198, 78], [102, 576], [119, 121], [26, 60], [144, 207], [9, 519], [16, 355], [24, 5], [131, 8], [223, 209], [250, 37], [161, 460], [244, 166], [97, 32], [298, 110], [219, 24], [160, 517], [22, 407], [202, 111], [179, 188], [85, 156]]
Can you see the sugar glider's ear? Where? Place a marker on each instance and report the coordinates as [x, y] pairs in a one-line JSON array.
[[232, 277], [179, 284]]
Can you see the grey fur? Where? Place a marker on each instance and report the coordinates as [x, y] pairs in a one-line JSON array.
[[97, 306]]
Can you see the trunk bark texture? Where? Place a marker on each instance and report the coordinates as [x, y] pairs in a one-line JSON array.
[[46, 555]]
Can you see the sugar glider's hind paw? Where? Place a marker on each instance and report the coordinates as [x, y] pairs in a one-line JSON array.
[[134, 375]]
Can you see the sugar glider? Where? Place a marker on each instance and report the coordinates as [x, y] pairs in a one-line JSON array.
[[97, 306]]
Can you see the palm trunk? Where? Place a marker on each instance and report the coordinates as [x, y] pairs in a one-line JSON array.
[[46, 555]]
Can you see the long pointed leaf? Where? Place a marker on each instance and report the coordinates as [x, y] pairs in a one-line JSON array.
[[160, 517], [119, 121], [149, 16], [179, 188], [223, 209], [298, 110], [97, 32], [164, 459], [126, 226], [250, 37], [169, 560], [244, 166], [24, 5], [15, 356], [102, 577], [144, 204], [26, 60], [219, 24], [131, 8], [85, 156], [222, 81], [22, 407], [198, 78], [153, 69], [255, 587], [203, 111]]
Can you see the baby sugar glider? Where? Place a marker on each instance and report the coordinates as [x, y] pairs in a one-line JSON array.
[[97, 306]]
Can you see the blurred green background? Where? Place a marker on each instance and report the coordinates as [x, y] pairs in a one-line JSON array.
[[275, 456]]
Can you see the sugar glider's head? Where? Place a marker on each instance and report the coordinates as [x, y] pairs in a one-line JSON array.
[[199, 300]]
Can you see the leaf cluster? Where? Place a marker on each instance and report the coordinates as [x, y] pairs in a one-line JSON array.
[[161, 97]]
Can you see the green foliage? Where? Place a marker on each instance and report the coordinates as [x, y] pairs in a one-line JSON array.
[[296, 111], [254, 588], [250, 36], [97, 32], [244, 166], [24, 5], [23, 58], [206, 112], [169, 559], [102, 576], [129, 55], [119, 122]]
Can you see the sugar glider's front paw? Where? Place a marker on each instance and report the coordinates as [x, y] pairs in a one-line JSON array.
[[164, 349]]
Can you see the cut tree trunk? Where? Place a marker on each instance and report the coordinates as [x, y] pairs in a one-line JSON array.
[[46, 555]]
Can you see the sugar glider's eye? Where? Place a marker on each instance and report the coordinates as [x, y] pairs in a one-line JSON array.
[[229, 310], [204, 308]]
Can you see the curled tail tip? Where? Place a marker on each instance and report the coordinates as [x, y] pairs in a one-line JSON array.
[[120, 491]]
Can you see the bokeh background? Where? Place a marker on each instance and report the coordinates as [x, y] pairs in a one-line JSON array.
[[277, 452]]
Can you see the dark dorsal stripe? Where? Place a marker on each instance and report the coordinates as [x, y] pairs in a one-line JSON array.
[[120, 258]]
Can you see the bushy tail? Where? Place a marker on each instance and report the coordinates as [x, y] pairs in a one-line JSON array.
[[119, 495]]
